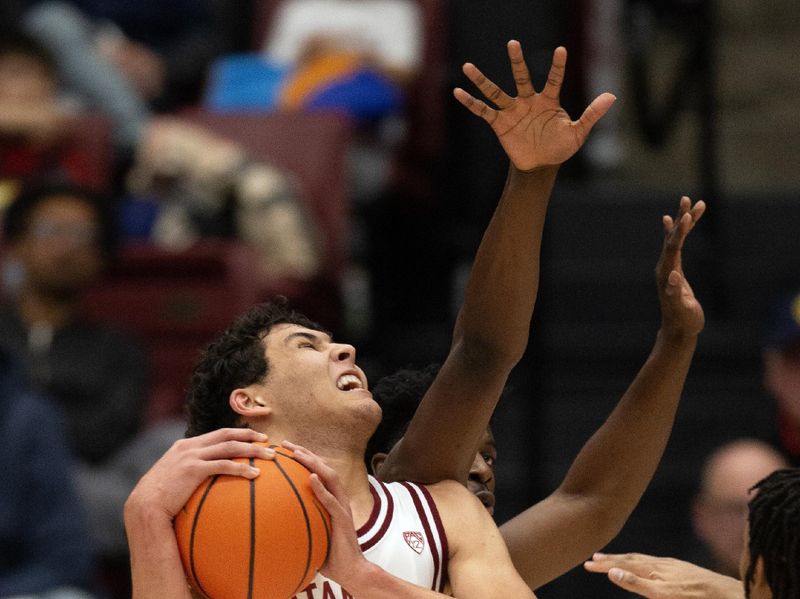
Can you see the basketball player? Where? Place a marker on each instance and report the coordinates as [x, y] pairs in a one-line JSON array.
[[770, 565], [314, 393], [275, 370], [594, 501]]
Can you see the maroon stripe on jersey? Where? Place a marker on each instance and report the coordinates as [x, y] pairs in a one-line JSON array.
[[373, 516], [442, 536], [412, 490], [387, 520]]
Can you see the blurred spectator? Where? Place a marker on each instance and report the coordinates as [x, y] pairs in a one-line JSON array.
[[719, 512], [162, 49], [782, 372], [45, 550], [197, 184], [59, 239], [125, 59], [357, 57], [34, 123]]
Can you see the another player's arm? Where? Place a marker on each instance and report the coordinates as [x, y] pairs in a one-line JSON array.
[[156, 568], [491, 331], [658, 577], [607, 479], [479, 564]]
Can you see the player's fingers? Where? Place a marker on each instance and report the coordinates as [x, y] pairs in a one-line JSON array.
[[326, 498], [668, 223], [555, 77], [227, 434], [488, 88], [593, 113], [235, 449], [674, 284], [229, 467], [697, 211], [633, 583], [475, 106], [519, 69]]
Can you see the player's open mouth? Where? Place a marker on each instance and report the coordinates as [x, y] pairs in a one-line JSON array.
[[349, 382]]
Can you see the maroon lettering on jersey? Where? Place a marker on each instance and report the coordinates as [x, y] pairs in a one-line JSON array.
[[327, 591], [309, 591], [415, 541]]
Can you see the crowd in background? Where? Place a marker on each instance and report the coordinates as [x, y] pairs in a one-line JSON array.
[[105, 145]]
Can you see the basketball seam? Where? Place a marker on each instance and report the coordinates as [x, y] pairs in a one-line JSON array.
[[252, 534], [194, 529], [305, 517]]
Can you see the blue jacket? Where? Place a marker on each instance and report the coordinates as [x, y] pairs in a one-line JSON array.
[[44, 538]]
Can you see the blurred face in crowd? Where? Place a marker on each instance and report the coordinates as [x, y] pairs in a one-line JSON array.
[[25, 81], [59, 249], [720, 510]]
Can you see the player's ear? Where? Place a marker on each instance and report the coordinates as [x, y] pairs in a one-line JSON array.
[[376, 462], [760, 586], [249, 403]]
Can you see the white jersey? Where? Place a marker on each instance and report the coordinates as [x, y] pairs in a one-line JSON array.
[[403, 535]]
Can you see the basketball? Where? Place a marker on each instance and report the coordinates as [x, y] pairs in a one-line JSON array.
[[263, 538]]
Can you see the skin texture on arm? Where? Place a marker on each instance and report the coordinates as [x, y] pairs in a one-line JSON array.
[[664, 577], [479, 566], [611, 472], [491, 330], [156, 568]]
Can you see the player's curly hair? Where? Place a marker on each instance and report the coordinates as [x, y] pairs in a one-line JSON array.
[[774, 522], [236, 359], [399, 395]]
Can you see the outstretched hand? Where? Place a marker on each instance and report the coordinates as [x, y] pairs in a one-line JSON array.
[[664, 577], [681, 313], [533, 128]]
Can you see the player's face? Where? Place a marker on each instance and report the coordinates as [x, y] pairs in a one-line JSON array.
[[481, 480], [312, 378]]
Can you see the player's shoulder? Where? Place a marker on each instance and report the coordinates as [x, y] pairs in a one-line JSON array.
[[451, 496]]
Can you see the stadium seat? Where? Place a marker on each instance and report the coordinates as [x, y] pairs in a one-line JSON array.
[[312, 147], [174, 303]]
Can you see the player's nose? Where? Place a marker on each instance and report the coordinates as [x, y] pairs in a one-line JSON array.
[[342, 352]]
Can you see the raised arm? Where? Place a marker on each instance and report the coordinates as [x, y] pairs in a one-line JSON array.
[[491, 330], [607, 479], [156, 569], [664, 577]]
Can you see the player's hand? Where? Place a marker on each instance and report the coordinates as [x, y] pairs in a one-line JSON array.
[[664, 577], [345, 559], [681, 313], [167, 486], [532, 127]]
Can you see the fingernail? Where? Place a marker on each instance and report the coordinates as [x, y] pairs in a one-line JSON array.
[[254, 470], [616, 574], [598, 555], [262, 436], [268, 452]]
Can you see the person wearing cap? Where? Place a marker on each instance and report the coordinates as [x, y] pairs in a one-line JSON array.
[[782, 373]]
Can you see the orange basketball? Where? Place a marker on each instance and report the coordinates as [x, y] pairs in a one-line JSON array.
[[263, 538]]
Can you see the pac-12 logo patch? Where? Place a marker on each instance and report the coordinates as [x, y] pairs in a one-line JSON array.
[[415, 541]]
